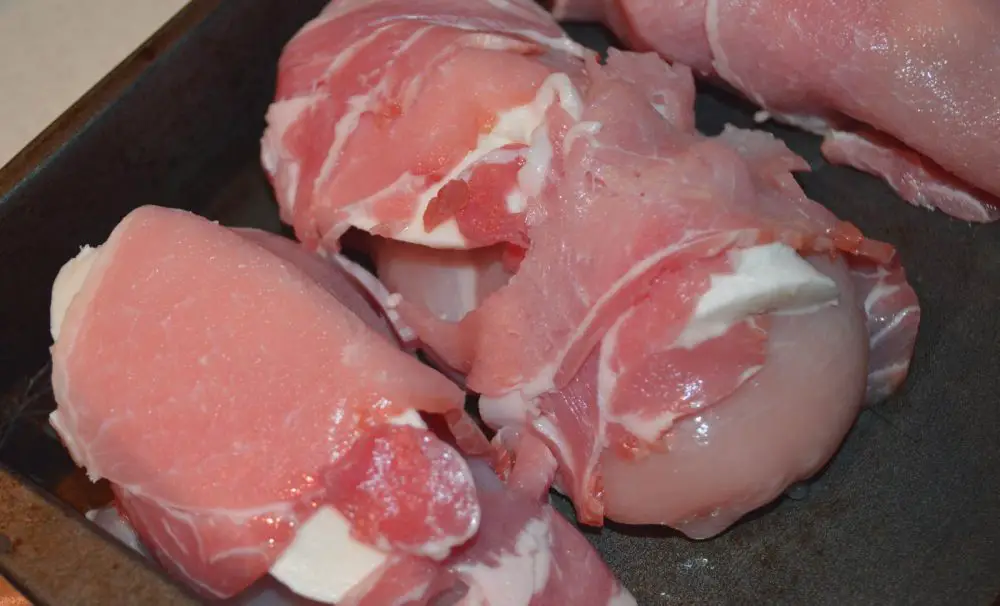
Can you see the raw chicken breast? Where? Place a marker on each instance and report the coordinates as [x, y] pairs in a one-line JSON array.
[[446, 283], [779, 427], [527, 554], [649, 267], [638, 390], [921, 74], [524, 553], [412, 119], [227, 392], [462, 279], [634, 392], [612, 226]]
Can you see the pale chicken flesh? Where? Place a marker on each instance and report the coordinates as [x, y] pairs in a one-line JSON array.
[[256, 416], [908, 91], [227, 390], [614, 231]]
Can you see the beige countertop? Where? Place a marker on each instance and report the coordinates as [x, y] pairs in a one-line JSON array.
[[53, 51]]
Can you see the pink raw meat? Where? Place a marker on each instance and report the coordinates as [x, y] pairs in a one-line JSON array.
[[524, 553], [404, 83], [463, 278], [923, 73], [338, 283], [889, 302], [592, 423], [781, 426], [892, 311], [917, 179], [218, 385], [632, 215], [754, 441], [527, 554], [657, 386], [572, 286]]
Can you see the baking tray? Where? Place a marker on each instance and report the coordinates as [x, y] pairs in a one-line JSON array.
[[908, 512]]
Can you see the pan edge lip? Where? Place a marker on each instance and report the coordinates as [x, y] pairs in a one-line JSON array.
[[101, 96]]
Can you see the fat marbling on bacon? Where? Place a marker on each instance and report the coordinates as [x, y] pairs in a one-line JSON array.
[[734, 427], [906, 90], [234, 387], [339, 154], [228, 384], [614, 222], [524, 553]]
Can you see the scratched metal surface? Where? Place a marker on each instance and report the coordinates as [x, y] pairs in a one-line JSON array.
[[907, 513]]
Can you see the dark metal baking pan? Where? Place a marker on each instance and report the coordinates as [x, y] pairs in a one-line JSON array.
[[907, 513]]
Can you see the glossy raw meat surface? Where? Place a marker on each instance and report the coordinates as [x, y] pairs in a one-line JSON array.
[[932, 433], [222, 386], [919, 478], [426, 89], [599, 343], [923, 73]]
